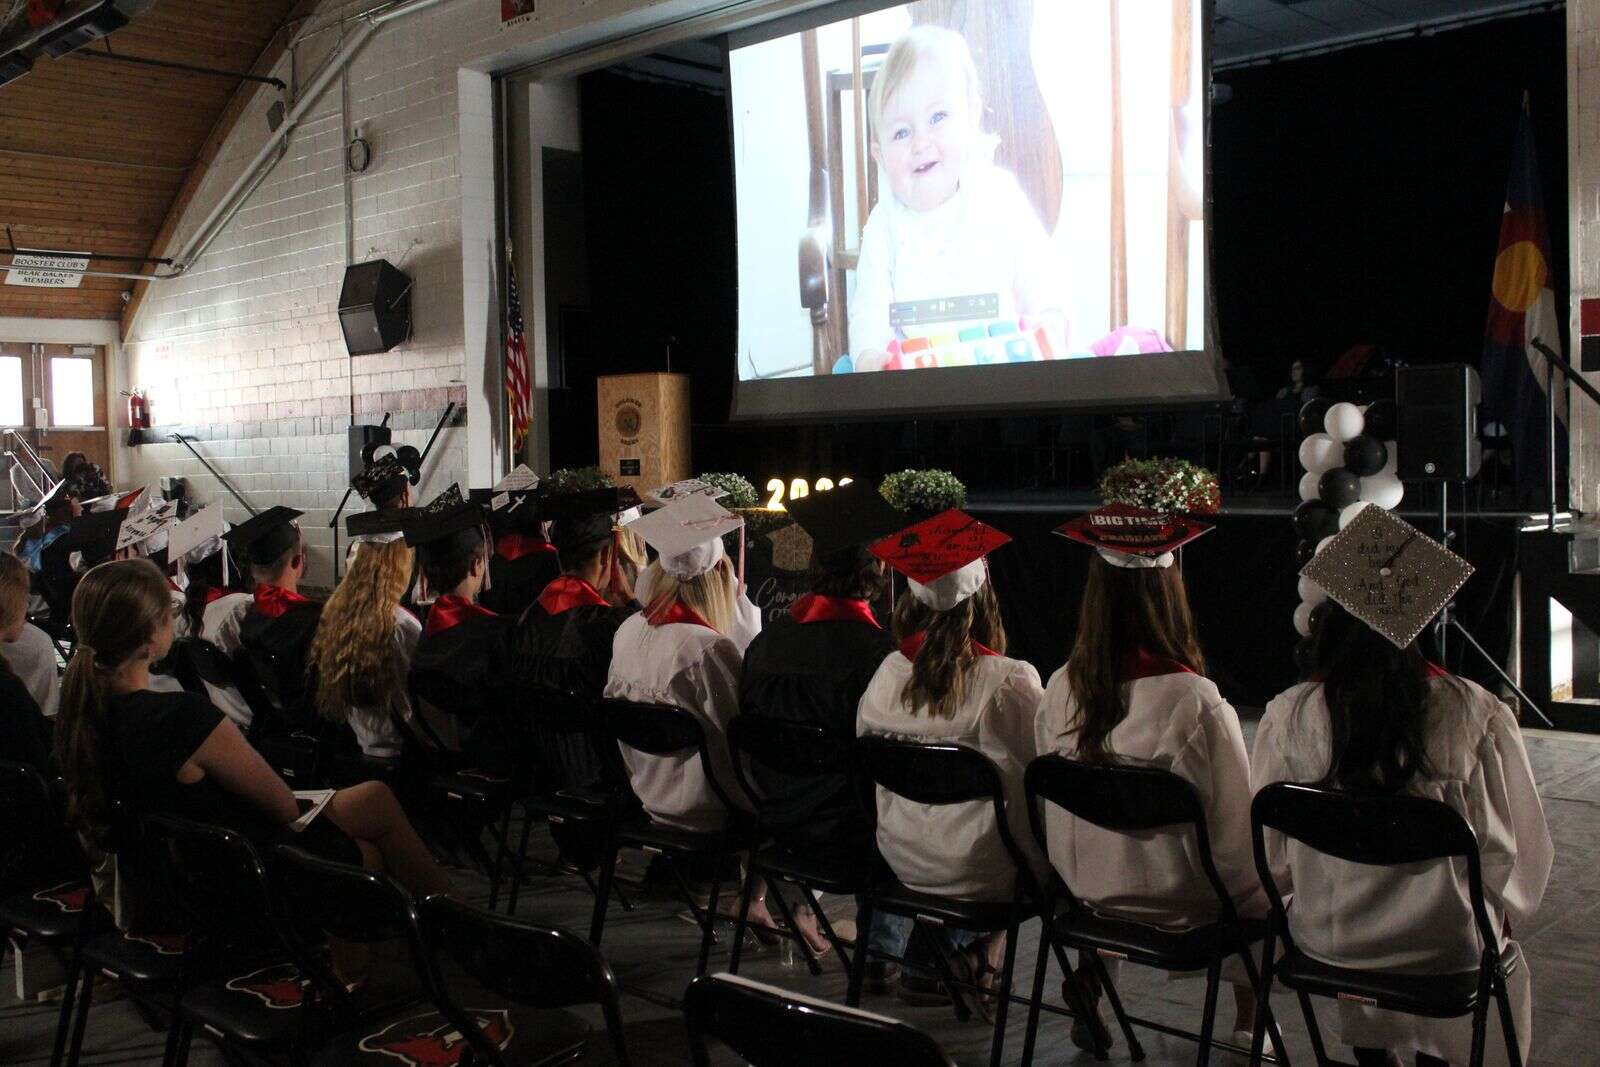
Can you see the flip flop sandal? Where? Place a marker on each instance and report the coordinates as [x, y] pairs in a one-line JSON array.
[[972, 966]]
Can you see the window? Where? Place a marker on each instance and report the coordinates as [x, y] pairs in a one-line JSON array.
[[71, 391], [11, 391]]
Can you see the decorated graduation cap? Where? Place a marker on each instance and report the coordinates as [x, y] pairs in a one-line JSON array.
[[1131, 537], [387, 472], [199, 537], [1388, 574], [446, 514], [942, 557], [688, 534], [57, 498], [661, 496], [262, 539], [850, 516], [147, 529]]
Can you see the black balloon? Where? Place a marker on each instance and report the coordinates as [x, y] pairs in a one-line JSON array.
[[1312, 413], [1339, 488], [1305, 656], [1365, 455], [1382, 419], [1304, 551], [1314, 520]]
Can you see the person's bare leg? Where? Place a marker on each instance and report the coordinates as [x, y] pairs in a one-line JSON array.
[[371, 815], [1244, 1009]]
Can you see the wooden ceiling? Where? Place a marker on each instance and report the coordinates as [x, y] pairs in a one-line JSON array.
[[95, 154]]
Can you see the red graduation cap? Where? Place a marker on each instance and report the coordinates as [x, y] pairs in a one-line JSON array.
[[1125, 534], [942, 556]]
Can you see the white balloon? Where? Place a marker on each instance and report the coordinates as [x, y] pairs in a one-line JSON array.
[[1311, 592], [1311, 486], [1350, 512], [1384, 490], [1320, 453], [1324, 543], [1394, 458], [1302, 618], [1344, 421]]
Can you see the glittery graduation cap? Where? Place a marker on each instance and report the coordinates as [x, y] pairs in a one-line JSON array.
[[942, 557], [1132, 537], [1388, 574]]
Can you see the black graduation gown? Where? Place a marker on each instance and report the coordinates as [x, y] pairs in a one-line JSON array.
[[473, 654], [814, 673], [288, 639], [25, 734], [516, 583]]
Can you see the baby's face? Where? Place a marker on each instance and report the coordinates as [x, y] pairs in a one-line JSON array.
[[928, 129]]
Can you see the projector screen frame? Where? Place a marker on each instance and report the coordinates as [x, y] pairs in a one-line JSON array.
[[1041, 388]]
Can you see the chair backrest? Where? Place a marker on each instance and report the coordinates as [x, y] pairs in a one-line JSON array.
[[215, 876], [795, 749], [562, 711], [195, 660], [35, 846], [1385, 830], [1123, 797], [662, 730], [769, 1027], [536, 966]]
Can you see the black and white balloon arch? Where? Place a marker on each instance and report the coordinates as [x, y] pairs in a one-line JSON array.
[[1349, 459]]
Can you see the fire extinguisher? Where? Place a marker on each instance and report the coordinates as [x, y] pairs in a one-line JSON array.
[[138, 410]]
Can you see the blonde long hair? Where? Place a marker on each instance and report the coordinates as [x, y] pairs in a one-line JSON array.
[[710, 595], [353, 652]]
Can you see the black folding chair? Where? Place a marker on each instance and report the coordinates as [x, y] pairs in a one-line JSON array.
[[293, 739], [1133, 799], [666, 730], [46, 897], [534, 967], [941, 774], [768, 1027], [1386, 831], [801, 751]]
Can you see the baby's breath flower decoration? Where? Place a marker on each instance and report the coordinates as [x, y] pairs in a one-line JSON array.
[[577, 480], [925, 490], [741, 493], [1162, 484]]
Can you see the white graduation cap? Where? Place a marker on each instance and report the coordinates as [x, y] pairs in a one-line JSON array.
[[139, 528], [198, 537], [521, 479], [688, 534], [662, 496]]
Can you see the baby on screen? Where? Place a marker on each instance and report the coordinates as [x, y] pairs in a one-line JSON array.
[[954, 224]]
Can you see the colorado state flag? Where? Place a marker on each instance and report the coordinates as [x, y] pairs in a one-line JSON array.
[[1522, 306]]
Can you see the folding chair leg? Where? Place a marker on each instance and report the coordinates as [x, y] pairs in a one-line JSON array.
[[1003, 991], [1264, 1017], [1314, 1030], [185, 1037], [1208, 1017], [1031, 1033], [1508, 1026], [745, 893], [608, 871], [1082, 1003], [81, 1023], [858, 962], [1480, 1020], [69, 997], [958, 998], [499, 858], [794, 928], [710, 932], [521, 862], [1135, 1050]]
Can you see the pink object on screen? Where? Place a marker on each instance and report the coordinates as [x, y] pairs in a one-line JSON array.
[[1130, 340]]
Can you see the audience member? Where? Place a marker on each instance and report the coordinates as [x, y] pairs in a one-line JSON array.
[[24, 731], [26, 649]]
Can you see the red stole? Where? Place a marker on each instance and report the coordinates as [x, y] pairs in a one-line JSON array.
[[449, 610], [815, 608], [568, 592], [678, 612], [913, 644], [516, 545], [1433, 670], [1147, 664], [274, 600], [215, 593]]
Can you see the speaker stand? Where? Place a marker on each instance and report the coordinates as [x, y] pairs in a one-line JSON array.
[[1447, 621]]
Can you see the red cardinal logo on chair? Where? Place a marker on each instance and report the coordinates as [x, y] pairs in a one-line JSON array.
[[441, 1046], [279, 986], [68, 896]]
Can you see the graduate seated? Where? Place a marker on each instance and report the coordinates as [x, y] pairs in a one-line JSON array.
[[1378, 717], [361, 652], [1134, 688], [522, 562], [199, 562], [176, 754], [277, 623], [462, 640], [49, 519], [950, 681], [24, 730]]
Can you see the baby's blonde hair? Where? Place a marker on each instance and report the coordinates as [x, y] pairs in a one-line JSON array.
[[912, 47], [710, 595]]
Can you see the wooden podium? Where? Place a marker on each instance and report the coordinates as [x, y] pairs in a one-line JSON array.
[[644, 428]]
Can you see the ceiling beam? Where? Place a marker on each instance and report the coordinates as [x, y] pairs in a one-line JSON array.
[[209, 151]]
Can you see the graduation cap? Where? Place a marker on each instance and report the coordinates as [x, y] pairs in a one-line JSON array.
[[688, 534], [423, 526], [584, 520], [147, 527], [93, 535], [1388, 574], [383, 478], [661, 496], [262, 538], [381, 526], [199, 537], [521, 479], [56, 498], [942, 557], [1132, 537], [851, 516]]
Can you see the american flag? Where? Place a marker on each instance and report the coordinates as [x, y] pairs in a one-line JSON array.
[[518, 395]]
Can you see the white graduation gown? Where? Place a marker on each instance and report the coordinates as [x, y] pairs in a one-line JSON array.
[[32, 657], [1179, 722], [955, 850], [219, 623], [697, 669], [1417, 919]]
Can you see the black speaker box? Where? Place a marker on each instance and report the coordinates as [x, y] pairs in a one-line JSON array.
[[374, 307], [1438, 423]]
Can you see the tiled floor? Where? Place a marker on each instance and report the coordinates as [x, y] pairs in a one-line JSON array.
[[652, 949]]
